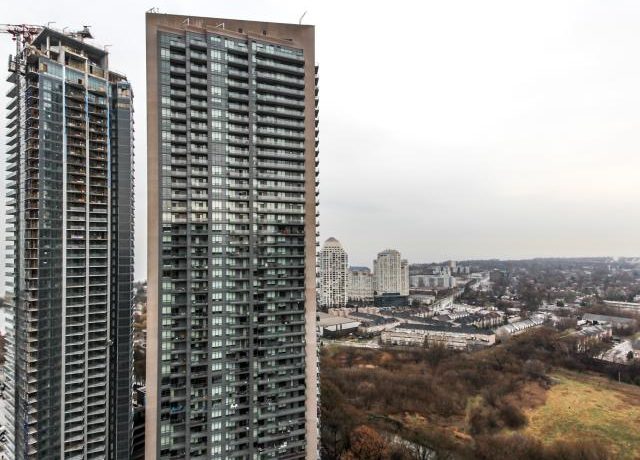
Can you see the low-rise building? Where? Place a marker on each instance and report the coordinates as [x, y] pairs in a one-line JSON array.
[[633, 307], [335, 326], [615, 321], [434, 282], [372, 324], [391, 300], [486, 320], [459, 338], [518, 327], [588, 335], [422, 296]]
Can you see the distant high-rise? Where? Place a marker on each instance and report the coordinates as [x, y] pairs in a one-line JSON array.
[[333, 274], [404, 277], [232, 158], [391, 273], [70, 251], [359, 284]]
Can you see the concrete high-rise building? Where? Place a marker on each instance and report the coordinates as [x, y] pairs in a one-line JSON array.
[[404, 277], [359, 284], [232, 158], [69, 203], [333, 262], [388, 273]]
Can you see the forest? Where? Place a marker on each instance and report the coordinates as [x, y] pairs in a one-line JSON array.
[[431, 404]]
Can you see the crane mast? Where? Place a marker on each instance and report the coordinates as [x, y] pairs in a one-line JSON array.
[[23, 35]]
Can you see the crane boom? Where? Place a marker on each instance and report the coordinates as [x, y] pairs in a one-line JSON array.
[[22, 34]]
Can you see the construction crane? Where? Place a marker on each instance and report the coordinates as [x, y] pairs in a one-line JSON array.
[[23, 35]]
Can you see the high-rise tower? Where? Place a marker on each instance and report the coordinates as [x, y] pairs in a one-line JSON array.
[[232, 158], [359, 284], [333, 274], [69, 252], [391, 274]]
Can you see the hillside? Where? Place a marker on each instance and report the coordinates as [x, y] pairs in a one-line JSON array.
[[516, 400], [583, 406]]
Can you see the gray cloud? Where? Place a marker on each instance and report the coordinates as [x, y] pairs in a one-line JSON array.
[[454, 129]]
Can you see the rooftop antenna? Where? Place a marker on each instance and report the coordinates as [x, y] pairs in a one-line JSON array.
[[85, 32], [49, 24], [300, 20]]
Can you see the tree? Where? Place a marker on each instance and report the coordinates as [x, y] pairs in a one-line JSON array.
[[366, 444], [338, 420], [530, 295]]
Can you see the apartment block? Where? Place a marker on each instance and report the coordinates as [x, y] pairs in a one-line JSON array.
[[333, 263], [232, 180], [391, 273], [69, 207], [359, 284]]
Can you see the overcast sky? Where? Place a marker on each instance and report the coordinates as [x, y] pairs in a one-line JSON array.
[[450, 129]]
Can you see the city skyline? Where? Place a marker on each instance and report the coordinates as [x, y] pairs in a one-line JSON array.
[[511, 148]]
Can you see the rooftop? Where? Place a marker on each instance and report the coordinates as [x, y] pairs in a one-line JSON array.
[[444, 328], [325, 319], [591, 317]]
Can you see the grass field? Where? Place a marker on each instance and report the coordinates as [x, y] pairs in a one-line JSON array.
[[583, 406]]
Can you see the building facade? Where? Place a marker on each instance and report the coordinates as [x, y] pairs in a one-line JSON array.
[[333, 263], [432, 281], [404, 277], [389, 274], [232, 179], [68, 370], [359, 284], [457, 338]]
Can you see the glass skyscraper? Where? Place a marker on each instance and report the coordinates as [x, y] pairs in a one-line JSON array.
[[70, 252], [232, 180]]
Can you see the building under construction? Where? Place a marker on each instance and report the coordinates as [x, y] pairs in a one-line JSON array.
[[70, 250]]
